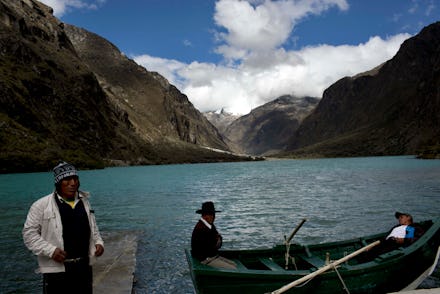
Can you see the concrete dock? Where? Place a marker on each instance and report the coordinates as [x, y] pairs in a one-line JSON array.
[[113, 273]]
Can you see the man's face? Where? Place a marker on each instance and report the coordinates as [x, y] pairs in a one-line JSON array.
[[404, 220], [209, 218], [69, 186]]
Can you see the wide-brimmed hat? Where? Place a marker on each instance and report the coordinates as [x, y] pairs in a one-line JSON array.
[[63, 170], [398, 214], [207, 208]]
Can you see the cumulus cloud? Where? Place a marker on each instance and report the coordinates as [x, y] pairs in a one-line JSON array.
[[168, 68], [256, 68], [264, 26], [60, 7], [307, 72]]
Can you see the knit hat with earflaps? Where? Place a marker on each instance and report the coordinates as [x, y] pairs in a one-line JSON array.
[[64, 170]]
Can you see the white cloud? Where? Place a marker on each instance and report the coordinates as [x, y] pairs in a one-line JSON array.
[[427, 6], [60, 7], [166, 67], [187, 43], [257, 69], [307, 72], [264, 26]]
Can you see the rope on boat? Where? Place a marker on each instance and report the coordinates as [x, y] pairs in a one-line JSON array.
[[305, 283], [294, 262], [287, 254], [341, 279], [288, 257]]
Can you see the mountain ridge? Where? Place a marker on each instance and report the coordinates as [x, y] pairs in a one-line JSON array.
[[128, 84], [265, 129], [395, 111], [53, 106]]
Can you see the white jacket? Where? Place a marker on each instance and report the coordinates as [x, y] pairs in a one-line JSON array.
[[43, 232]]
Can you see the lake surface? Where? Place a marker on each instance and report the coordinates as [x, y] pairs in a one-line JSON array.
[[260, 203]]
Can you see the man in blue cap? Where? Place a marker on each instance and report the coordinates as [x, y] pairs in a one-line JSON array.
[[403, 234], [61, 230]]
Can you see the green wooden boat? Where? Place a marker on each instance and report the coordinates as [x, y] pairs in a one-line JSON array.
[[264, 270]]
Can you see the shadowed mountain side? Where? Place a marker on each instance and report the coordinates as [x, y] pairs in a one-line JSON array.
[[392, 110], [157, 110], [266, 129], [53, 107]]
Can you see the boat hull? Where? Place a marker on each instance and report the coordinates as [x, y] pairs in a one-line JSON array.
[[262, 270]]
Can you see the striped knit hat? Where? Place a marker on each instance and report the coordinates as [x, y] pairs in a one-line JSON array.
[[63, 170]]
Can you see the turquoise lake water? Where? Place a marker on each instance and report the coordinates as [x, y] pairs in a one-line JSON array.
[[260, 203]]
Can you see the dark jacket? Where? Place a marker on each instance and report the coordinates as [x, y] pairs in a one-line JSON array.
[[205, 242]]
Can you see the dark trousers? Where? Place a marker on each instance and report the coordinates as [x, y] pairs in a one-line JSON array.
[[77, 279], [384, 247]]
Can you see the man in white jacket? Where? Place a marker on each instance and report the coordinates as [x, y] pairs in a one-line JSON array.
[[61, 230]]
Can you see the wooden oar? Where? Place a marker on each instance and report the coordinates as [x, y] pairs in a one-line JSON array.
[[324, 269], [287, 242], [296, 230]]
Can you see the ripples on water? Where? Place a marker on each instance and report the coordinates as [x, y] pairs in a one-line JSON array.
[[260, 202]]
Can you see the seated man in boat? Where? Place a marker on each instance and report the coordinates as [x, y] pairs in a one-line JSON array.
[[403, 234], [206, 241]]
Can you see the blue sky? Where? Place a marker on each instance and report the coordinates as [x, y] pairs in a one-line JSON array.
[[237, 54]]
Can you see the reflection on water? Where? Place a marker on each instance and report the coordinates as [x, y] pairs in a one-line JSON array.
[[260, 202]]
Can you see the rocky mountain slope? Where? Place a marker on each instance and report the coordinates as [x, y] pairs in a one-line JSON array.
[[266, 129], [68, 94], [392, 110], [220, 119], [157, 110]]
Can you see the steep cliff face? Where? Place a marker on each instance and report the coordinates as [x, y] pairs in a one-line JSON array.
[[156, 108], [54, 106], [46, 91], [392, 110], [267, 129]]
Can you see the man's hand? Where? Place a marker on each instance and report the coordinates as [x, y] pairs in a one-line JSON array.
[[219, 241], [59, 255], [99, 250]]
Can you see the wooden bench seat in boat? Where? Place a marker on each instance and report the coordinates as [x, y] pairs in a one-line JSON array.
[[239, 264], [311, 259], [272, 265]]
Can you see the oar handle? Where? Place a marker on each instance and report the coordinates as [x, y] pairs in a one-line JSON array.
[[296, 230]]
